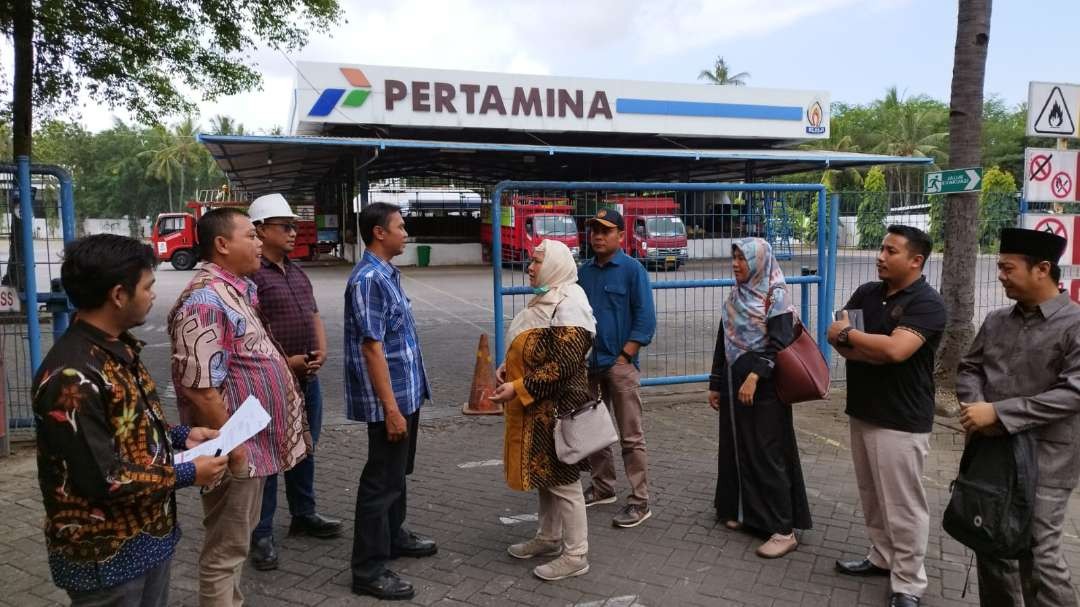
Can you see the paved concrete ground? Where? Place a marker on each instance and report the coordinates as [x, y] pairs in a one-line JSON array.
[[680, 556]]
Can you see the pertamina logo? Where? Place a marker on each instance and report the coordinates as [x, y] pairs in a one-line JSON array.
[[814, 116], [355, 98]]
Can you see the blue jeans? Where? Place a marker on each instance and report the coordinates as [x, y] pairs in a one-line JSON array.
[[300, 481]]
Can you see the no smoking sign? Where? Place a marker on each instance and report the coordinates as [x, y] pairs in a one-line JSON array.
[[1066, 226], [1051, 175]]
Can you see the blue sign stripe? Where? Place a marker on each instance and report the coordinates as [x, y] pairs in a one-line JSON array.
[[326, 102], [660, 107]]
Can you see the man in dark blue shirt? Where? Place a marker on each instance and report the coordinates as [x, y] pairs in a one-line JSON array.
[[621, 298]]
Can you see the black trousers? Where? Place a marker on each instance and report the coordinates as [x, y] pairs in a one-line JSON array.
[[381, 499]]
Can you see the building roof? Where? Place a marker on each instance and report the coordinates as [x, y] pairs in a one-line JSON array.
[[297, 165]]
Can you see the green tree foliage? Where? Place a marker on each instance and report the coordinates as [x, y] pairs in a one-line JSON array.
[[873, 208], [937, 220], [115, 171], [998, 207], [142, 54]]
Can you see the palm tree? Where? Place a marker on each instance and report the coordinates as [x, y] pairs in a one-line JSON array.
[[163, 165], [962, 212], [226, 125], [174, 154], [721, 74], [910, 128]]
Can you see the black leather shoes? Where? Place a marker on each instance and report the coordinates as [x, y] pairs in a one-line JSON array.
[[263, 553], [417, 546], [860, 567], [386, 587], [315, 525], [899, 599]]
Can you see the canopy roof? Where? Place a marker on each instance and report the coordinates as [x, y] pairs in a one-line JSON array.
[[297, 165]]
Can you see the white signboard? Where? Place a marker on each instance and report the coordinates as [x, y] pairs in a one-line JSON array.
[[424, 98], [1053, 110], [1050, 175], [9, 300], [1062, 225]]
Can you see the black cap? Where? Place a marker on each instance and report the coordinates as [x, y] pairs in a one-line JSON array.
[[1044, 246], [608, 217]]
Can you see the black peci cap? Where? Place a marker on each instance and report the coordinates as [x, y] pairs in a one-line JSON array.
[[1044, 246]]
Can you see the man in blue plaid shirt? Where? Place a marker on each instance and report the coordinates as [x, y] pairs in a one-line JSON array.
[[385, 385]]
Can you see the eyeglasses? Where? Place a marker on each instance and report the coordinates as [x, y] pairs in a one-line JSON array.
[[288, 227]]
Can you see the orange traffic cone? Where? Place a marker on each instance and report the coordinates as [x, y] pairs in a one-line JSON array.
[[483, 384]]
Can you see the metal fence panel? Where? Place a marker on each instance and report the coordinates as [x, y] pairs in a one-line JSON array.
[[683, 234], [50, 225], [858, 248]]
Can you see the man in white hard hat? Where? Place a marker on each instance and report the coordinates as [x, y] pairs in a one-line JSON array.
[[287, 303]]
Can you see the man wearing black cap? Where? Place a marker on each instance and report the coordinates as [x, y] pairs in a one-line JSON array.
[[621, 298], [1023, 373]]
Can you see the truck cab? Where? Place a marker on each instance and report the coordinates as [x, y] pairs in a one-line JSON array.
[[173, 238], [525, 223], [655, 234], [659, 240]]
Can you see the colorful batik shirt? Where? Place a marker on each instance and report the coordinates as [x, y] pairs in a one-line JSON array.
[[105, 461], [220, 341]]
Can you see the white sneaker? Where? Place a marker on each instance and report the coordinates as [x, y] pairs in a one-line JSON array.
[[563, 567], [535, 547]]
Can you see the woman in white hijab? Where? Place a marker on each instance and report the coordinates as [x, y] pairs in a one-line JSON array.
[[545, 374]]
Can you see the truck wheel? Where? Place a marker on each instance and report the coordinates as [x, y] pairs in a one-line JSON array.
[[183, 260]]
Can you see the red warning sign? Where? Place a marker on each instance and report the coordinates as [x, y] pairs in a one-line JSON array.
[[1053, 226], [1061, 186], [1051, 175], [1040, 167]]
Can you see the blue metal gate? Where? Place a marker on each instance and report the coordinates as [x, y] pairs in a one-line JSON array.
[[21, 341], [689, 301]]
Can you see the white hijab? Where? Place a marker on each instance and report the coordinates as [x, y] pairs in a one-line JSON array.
[[563, 305]]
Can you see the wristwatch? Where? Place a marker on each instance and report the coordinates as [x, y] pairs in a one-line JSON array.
[[843, 338], [628, 358]]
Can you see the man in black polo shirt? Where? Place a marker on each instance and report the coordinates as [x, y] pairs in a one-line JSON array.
[[890, 400]]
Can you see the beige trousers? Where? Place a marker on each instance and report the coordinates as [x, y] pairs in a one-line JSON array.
[[230, 512], [562, 518], [620, 388], [888, 470]]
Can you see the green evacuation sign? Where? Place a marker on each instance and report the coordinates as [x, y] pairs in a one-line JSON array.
[[953, 181]]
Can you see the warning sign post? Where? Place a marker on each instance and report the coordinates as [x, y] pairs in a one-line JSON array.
[[1050, 175], [1066, 226], [1053, 110]]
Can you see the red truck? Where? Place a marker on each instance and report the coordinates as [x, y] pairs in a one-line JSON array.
[[525, 222], [655, 234], [174, 239]]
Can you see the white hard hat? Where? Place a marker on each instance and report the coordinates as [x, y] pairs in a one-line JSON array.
[[270, 205]]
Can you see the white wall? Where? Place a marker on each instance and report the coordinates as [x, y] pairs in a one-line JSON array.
[[443, 254], [120, 227]]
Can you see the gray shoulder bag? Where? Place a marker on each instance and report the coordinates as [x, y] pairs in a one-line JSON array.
[[584, 431]]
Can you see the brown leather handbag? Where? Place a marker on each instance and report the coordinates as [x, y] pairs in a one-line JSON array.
[[801, 373]]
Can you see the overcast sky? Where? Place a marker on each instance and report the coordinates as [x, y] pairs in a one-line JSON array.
[[854, 49]]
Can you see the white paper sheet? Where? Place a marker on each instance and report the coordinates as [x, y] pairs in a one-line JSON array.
[[246, 422]]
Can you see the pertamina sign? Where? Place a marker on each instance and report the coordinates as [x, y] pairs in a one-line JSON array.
[[428, 98]]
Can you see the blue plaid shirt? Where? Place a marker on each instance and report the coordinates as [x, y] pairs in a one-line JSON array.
[[377, 309]]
